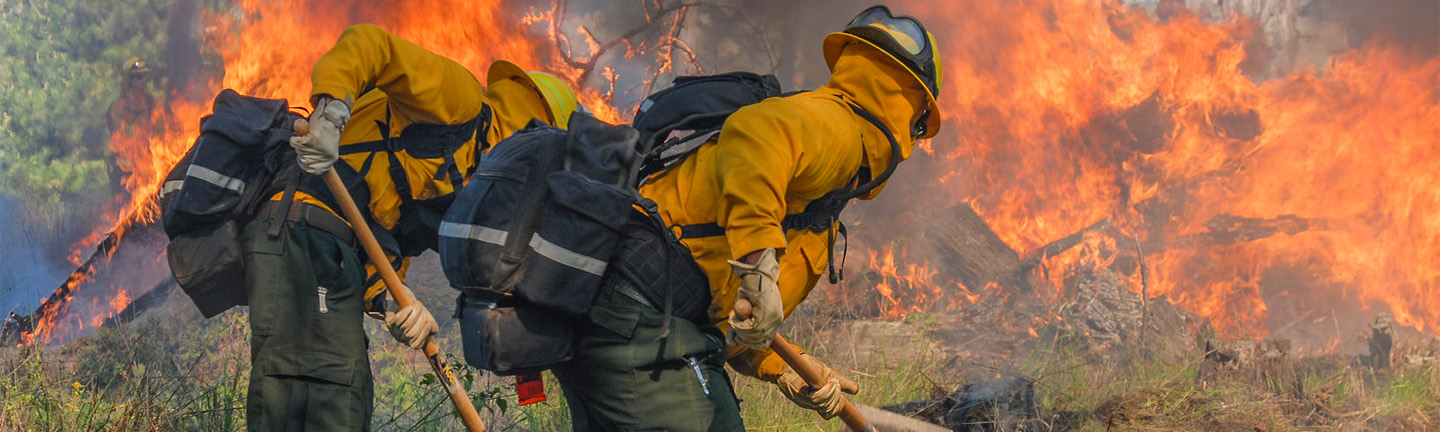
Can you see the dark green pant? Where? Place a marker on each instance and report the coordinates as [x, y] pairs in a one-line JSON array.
[[622, 379], [309, 368]]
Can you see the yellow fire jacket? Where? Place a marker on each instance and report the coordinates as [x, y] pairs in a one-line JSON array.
[[770, 160], [384, 77]]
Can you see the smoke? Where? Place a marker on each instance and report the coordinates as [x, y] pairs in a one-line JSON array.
[[1412, 24], [183, 51], [767, 37], [28, 251]]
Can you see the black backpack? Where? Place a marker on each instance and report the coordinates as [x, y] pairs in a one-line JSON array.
[[545, 222], [241, 158], [676, 121]]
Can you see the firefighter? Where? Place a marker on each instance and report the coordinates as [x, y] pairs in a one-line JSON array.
[[409, 126], [773, 158], [130, 121], [133, 107]]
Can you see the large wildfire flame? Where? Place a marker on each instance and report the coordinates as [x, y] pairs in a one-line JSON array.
[[1042, 139], [269, 48], [1353, 149]]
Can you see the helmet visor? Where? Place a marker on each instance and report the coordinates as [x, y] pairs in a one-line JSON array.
[[904, 34]]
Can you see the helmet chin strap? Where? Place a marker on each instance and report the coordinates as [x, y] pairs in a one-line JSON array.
[[918, 128]]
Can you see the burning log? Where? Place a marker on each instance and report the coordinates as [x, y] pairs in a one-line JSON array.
[[1227, 229], [1149, 126], [1034, 258], [977, 256], [125, 257], [1144, 128], [1109, 315], [149, 300], [22, 329]]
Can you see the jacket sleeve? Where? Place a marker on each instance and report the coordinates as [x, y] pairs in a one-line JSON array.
[[375, 285], [755, 161], [764, 365], [421, 85]]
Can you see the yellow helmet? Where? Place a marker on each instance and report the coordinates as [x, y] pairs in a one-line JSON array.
[[135, 66], [904, 40], [559, 98]]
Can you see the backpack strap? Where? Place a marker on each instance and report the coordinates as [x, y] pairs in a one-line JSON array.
[[292, 175], [482, 137], [451, 137], [536, 189]]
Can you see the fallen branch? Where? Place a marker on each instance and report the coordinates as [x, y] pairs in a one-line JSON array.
[[1056, 247]]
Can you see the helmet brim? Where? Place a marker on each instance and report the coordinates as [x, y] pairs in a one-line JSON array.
[[502, 70], [835, 43]]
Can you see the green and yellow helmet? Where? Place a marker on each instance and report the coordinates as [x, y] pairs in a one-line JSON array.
[[560, 99], [904, 40], [136, 66]]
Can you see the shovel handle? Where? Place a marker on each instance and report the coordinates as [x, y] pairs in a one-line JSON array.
[[402, 295], [848, 413]]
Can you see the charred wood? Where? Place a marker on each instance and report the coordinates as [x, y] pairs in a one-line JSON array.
[[1056, 247], [155, 297], [1002, 404], [124, 258], [58, 302], [1144, 128], [1228, 229], [974, 253], [1100, 306]]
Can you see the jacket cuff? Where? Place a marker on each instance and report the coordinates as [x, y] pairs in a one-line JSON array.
[[764, 365], [743, 241]]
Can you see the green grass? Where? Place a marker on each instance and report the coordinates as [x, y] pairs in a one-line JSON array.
[[150, 376]]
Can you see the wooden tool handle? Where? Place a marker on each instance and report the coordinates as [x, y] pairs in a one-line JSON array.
[[807, 371], [402, 295]]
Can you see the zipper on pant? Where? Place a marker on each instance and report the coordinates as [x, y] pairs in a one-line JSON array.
[[321, 291], [694, 364]]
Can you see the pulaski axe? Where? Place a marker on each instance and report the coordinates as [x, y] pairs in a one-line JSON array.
[[403, 297], [857, 417]]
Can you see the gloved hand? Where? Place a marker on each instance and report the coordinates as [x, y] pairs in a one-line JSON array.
[[319, 150], [825, 400], [759, 285], [411, 325]]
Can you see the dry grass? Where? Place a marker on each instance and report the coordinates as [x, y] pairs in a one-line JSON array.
[[148, 377]]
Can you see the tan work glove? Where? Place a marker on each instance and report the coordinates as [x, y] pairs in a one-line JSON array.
[[759, 286], [319, 150], [411, 325], [825, 400]]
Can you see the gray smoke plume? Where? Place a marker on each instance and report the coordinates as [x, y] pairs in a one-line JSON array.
[[29, 253]]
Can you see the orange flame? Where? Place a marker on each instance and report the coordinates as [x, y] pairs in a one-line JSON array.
[[910, 287], [1061, 113], [269, 48]]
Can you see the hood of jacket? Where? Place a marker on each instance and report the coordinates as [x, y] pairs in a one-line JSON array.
[[872, 80]]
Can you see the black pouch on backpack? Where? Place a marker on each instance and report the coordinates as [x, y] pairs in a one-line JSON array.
[[214, 190], [535, 222], [571, 249], [530, 238], [513, 340], [208, 265]]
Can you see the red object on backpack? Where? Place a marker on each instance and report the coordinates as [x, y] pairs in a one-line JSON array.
[[531, 388]]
